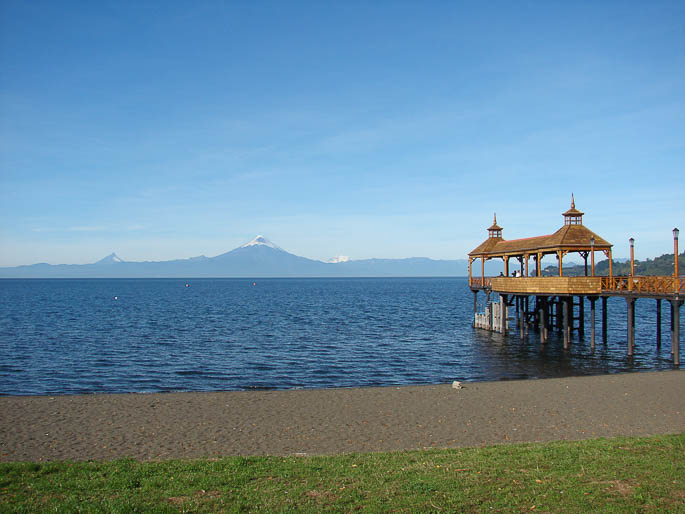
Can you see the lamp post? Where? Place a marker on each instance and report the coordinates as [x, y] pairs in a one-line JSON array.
[[592, 255], [675, 249], [632, 264]]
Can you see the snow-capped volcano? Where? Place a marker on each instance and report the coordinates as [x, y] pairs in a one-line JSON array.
[[112, 258], [261, 241]]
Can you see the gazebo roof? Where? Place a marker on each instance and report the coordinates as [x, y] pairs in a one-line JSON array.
[[575, 237]]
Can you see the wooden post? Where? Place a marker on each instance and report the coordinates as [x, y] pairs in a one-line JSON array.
[[566, 315], [542, 317], [560, 258], [482, 270], [658, 323], [675, 330], [604, 319], [631, 324], [611, 267], [470, 261], [488, 310], [592, 299], [503, 313], [672, 328], [581, 318], [545, 304]]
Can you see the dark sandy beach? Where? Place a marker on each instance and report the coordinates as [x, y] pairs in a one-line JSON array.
[[190, 425]]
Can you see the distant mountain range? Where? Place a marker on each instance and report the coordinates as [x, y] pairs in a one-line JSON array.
[[259, 258]]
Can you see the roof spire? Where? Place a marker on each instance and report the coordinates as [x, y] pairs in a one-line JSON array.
[[495, 230], [573, 216]]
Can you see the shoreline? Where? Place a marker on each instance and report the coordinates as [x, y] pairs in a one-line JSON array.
[[182, 425], [257, 389]]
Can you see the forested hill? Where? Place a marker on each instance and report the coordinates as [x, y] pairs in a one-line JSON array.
[[658, 266]]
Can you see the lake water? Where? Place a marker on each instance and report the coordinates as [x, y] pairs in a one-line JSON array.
[[152, 335]]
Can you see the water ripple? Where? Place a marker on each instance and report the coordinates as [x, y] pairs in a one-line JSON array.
[[72, 336]]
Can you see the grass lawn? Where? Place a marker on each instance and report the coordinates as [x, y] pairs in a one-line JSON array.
[[615, 475]]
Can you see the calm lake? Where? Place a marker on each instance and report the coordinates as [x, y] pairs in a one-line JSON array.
[[65, 336]]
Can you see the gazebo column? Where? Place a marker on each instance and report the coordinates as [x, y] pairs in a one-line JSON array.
[[560, 258], [470, 262], [526, 257], [506, 265], [482, 270], [538, 265]]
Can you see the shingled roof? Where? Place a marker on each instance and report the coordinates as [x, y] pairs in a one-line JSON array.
[[573, 236]]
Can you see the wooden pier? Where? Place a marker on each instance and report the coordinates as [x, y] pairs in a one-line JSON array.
[[547, 302]]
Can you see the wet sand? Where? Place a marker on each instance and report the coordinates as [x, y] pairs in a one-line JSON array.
[[330, 421]]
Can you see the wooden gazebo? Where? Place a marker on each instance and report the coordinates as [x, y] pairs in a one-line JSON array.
[[554, 296], [572, 237]]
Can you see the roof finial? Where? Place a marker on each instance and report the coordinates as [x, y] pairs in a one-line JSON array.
[[573, 202], [495, 220]]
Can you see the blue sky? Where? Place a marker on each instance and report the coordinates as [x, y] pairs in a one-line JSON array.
[[162, 129]]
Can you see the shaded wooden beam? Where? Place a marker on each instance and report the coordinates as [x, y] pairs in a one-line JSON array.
[[658, 323], [604, 319], [592, 299], [631, 324], [675, 330]]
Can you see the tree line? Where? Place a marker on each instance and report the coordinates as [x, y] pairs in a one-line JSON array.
[[663, 266]]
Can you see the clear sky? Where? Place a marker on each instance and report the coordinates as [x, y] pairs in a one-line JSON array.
[[164, 129]]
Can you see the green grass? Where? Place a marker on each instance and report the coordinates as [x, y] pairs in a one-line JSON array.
[[609, 475]]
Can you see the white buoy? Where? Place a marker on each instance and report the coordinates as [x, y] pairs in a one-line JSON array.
[[116, 297]]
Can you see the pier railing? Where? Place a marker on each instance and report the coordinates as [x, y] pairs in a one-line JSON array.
[[645, 285], [481, 282]]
